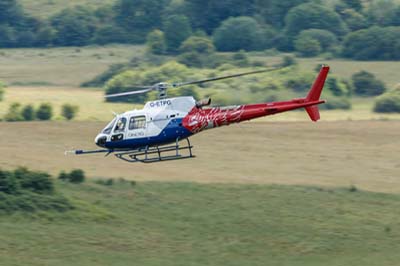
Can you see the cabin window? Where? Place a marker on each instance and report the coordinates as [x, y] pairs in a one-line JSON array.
[[137, 122], [120, 125], [109, 127]]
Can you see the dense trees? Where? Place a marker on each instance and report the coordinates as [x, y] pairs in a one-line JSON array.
[[74, 27], [156, 42], [208, 14], [366, 31], [177, 29], [197, 52], [373, 43], [241, 33], [316, 16], [138, 17]]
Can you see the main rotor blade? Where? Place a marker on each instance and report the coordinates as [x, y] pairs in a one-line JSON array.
[[128, 93], [223, 77]]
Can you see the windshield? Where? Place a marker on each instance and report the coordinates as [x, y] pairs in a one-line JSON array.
[[109, 127]]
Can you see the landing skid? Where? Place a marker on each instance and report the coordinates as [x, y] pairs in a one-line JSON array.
[[157, 153]]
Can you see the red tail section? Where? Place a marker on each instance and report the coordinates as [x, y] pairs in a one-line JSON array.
[[315, 93]]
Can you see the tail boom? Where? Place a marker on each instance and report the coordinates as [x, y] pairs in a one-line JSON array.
[[199, 119]]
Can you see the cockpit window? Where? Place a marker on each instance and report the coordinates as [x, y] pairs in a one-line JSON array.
[[120, 125], [136, 122], [109, 127]]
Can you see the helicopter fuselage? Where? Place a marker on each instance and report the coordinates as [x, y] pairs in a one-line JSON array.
[[136, 135], [168, 120]]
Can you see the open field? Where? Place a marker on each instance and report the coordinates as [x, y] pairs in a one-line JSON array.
[[365, 153], [47, 8], [176, 224], [387, 71], [69, 66], [91, 102], [93, 108]]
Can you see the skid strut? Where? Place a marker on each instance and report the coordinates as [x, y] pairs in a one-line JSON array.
[[157, 153]]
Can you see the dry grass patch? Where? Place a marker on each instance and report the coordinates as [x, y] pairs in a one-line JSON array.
[[364, 154]]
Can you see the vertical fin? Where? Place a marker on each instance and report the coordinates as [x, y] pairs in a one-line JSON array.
[[315, 93], [316, 88]]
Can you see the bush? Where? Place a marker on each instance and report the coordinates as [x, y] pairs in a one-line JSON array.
[[177, 29], [239, 33], [240, 59], [44, 112], [373, 43], [28, 113], [288, 60], [105, 182], [1, 91], [337, 103], [156, 42], [325, 38], [307, 47], [197, 52], [8, 183], [68, 111], [75, 176], [29, 191], [14, 113], [201, 45], [63, 176], [313, 16], [74, 26], [300, 82], [388, 102], [128, 80], [337, 87], [38, 182], [365, 84], [101, 79]]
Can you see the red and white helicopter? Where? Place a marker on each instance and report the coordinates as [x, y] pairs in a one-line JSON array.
[[155, 133]]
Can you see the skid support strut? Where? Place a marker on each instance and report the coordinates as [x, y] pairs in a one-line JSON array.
[[158, 153]]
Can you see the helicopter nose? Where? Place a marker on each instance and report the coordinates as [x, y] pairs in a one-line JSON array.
[[100, 140]]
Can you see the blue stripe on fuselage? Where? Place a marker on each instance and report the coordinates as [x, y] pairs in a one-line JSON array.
[[169, 134]]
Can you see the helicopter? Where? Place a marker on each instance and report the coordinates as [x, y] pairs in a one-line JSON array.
[[161, 130]]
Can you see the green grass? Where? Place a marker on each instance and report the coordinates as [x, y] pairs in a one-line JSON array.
[[190, 224], [93, 108], [387, 71], [91, 102], [67, 66], [47, 8]]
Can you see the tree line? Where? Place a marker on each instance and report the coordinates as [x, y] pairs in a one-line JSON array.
[[352, 28]]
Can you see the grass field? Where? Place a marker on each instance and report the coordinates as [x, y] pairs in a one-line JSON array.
[[91, 102], [47, 8], [93, 108], [364, 153], [387, 71], [156, 223], [68, 66]]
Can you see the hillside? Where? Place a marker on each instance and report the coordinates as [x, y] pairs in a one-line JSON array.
[[334, 154], [156, 223], [47, 8]]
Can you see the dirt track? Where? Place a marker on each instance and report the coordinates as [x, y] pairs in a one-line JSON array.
[[365, 154]]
